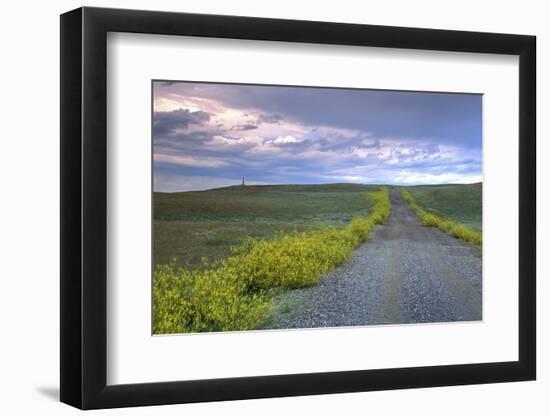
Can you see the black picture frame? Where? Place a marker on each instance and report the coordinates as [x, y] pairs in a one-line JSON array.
[[84, 207]]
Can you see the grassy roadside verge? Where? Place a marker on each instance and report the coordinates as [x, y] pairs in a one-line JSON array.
[[451, 227], [236, 293]]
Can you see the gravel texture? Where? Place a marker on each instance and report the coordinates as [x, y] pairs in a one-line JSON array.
[[405, 273]]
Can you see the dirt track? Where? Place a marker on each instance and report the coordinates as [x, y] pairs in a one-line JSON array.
[[405, 273]]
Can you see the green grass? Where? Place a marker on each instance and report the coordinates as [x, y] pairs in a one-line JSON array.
[[430, 218], [191, 225], [223, 255], [236, 293], [459, 202]]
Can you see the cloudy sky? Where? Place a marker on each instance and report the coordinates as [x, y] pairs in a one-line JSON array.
[[210, 135]]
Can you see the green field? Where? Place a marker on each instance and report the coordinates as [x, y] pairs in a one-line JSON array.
[[191, 225], [210, 276], [459, 202], [274, 239]]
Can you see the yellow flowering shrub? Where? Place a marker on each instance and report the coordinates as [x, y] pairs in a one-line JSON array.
[[234, 294], [198, 301]]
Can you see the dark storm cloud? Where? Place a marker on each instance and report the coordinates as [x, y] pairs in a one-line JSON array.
[[270, 118], [167, 122], [244, 127], [447, 118]]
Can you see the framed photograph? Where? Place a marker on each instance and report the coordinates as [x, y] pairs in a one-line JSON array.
[[257, 208]]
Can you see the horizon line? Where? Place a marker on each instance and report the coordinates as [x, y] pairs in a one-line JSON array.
[[320, 184]]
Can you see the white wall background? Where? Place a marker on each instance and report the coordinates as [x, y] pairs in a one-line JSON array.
[[29, 226]]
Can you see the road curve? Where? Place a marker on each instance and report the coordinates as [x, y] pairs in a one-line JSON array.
[[405, 273]]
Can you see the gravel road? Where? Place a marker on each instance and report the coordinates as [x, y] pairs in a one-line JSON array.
[[405, 273]]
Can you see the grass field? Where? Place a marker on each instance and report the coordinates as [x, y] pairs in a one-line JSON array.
[[460, 202], [223, 255], [236, 291], [190, 225]]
